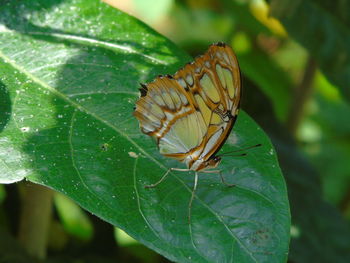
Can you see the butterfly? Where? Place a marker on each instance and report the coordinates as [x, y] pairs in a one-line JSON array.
[[190, 114]]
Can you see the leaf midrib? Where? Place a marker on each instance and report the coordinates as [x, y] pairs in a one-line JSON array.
[[92, 42]]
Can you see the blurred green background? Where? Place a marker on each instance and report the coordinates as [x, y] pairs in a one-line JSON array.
[[296, 79]]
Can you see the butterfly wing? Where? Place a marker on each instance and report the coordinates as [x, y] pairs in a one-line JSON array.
[[192, 113]]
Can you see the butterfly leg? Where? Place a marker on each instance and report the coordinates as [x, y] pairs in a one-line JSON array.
[[193, 190], [224, 182], [221, 177], [192, 197], [165, 175]]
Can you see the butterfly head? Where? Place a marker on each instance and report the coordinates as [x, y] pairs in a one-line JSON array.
[[213, 162]]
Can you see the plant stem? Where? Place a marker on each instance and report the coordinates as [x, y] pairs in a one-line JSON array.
[[35, 219], [301, 97]]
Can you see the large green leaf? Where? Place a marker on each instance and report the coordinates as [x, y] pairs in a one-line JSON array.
[[322, 27], [71, 71]]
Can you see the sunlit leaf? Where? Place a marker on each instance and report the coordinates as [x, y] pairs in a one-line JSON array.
[[72, 78]]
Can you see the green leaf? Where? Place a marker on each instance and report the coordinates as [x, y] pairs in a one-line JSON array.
[[322, 27], [72, 76], [73, 218]]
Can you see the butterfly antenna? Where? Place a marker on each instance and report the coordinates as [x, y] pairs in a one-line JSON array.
[[235, 155], [239, 150]]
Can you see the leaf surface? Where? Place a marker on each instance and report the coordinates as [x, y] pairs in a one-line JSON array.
[[70, 72]]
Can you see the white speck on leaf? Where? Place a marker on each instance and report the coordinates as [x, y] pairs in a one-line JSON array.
[[25, 129], [133, 154]]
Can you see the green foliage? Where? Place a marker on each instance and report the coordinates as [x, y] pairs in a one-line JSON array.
[[272, 80], [73, 218], [321, 235], [323, 28], [320, 232], [70, 77]]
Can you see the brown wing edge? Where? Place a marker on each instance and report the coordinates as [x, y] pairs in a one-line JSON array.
[[144, 88], [233, 117]]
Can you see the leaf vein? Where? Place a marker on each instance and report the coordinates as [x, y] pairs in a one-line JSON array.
[[139, 203]]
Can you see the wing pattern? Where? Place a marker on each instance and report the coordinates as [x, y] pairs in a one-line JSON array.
[[192, 113]]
